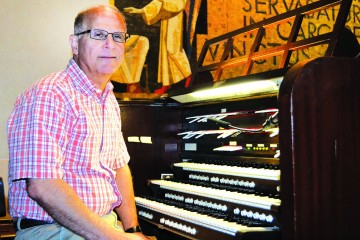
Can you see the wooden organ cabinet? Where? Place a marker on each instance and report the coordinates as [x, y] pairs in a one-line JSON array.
[[275, 159]]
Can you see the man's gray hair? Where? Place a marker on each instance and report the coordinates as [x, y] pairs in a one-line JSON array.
[[93, 11]]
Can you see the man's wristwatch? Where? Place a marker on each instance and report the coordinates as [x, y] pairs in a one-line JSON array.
[[134, 229]]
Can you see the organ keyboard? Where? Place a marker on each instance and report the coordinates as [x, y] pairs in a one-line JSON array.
[[257, 173], [195, 224], [253, 179], [262, 209]]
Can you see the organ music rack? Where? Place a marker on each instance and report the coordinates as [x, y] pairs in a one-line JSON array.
[[318, 111]]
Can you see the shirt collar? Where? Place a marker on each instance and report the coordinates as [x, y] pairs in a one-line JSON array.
[[83, 83]]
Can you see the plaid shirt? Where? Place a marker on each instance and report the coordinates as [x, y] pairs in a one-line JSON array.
[[63, 127]]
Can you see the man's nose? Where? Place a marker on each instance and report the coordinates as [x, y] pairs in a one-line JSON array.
[[110, 40]]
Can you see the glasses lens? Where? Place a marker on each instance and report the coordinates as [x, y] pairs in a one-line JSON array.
[[119, 37], [98, 34]]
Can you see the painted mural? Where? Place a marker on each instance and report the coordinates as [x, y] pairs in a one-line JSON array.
[[205, 19]]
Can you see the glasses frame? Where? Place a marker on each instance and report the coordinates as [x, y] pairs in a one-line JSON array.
[[107, 34]]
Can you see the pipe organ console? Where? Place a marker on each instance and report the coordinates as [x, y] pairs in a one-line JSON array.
[[274, 161], [225, 182]]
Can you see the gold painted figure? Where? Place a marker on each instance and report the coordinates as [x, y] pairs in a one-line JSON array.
[[174, 65]]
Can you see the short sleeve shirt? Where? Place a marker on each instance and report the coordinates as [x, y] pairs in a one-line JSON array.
[[64, 127]]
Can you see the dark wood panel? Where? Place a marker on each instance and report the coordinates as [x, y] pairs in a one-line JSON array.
[[319, 135], [162, 124]]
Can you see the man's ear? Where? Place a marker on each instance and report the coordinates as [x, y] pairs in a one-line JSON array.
[[74, 43]]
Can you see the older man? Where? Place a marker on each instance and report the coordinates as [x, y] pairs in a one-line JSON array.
[[68, 161]]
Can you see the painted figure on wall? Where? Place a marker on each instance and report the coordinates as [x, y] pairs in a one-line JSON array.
[[174, 65], [129, 72]]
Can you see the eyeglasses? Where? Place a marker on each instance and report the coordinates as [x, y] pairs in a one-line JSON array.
[[99, 34]]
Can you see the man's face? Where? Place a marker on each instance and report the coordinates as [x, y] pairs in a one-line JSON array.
[[99, 58]]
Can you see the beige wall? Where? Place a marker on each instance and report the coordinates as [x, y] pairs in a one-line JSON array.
[[33, 43]]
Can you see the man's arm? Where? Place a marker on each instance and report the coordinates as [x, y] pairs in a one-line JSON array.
[[127, 209], [65, 207]]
